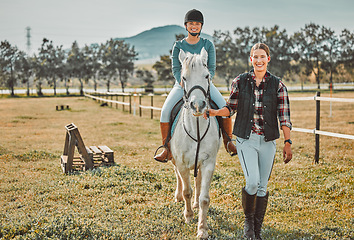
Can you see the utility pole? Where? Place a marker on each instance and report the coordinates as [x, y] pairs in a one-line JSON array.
[[28, 35]]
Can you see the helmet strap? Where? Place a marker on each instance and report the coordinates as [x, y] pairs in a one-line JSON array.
[[194, 34]]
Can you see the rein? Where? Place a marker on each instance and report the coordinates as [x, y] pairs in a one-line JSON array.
[[198, 139]]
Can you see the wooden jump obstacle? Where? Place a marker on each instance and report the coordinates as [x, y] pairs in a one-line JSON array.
[[62, 107], [89, 157]]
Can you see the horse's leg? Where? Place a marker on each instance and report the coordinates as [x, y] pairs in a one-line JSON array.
[[197, 183], [204, 199], [178, 193], [187, 193]]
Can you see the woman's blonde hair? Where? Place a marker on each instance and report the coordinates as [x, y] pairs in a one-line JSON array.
[[262, 46]]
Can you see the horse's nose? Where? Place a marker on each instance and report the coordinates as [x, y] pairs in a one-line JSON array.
[[198, 106]]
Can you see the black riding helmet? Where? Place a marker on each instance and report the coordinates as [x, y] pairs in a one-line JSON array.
[[193, 16]]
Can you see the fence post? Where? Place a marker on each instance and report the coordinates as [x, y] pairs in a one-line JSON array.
[[130, 103], [111, 99], [123, 101], [152, 104], [317, 136], [330, 103], [140, 113]]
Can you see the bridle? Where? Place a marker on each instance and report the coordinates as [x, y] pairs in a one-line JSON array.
[[186, 96]]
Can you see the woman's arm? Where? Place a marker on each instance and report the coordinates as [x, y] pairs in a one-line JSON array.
[[211, 59], [287, 153], [222, 112], [176, 65]]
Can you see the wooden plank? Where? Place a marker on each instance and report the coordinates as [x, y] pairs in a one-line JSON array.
[[71, 151], [105, 149], [95, 150], [82, 150], [70, 127], [66, 145], [89, 150], [63, 163]]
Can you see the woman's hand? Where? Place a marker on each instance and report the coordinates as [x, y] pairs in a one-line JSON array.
[[287, 153], [209, 113]]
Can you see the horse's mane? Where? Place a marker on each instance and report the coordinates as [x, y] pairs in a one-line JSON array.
[[190, 62]]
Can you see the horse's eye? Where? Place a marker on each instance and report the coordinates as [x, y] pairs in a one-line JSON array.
[[207, 76], [184, 78]]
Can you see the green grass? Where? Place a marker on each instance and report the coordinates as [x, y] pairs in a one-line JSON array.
[[134, 199], [128, 203]]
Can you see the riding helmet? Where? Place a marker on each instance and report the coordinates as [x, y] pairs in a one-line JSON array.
[[194, 16]]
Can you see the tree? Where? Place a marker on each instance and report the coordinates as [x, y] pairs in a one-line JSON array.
[[45, 66], [126, 62], [117, 57], [96, 63], [244, 40], [163, 69], [24, 67], [226, 59], [347, 47], [147, 77], [309, 51], [89, 63], [76, 61], [280, 50], [8, 56], [332, 52]]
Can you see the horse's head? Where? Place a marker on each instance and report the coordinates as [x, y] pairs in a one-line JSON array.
[[196, 80]]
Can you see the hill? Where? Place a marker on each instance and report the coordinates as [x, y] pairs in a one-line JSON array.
[[153, 43]]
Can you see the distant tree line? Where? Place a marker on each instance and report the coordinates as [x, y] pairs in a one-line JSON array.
[[109, 61], [312, 51]]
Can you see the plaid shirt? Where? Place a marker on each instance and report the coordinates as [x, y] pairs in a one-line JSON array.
[[258, 117]]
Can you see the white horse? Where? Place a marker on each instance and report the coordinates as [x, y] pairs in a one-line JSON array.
[[195, 141]]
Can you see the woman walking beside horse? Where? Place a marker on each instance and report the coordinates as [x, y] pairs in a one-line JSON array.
[[193, 44], [259, 99]]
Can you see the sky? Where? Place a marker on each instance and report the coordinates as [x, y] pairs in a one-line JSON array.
[[96, 21]]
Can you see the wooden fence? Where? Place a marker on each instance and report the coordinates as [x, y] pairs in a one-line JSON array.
[[108, 98]]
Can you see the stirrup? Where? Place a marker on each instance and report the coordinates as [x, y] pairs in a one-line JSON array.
[[228, 150], [163, 161]]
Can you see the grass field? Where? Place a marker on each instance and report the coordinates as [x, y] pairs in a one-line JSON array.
[[134, 198]]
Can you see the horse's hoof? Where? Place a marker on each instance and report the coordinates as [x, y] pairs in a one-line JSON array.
[[188, 217], [178, 198], [202, 234], [196, 205]]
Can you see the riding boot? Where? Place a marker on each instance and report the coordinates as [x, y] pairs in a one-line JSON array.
[[227, 136], [165, 155], [261, 206], [248, 205]]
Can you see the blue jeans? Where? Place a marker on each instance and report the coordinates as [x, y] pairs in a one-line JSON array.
[[177, 93], [256, 158]]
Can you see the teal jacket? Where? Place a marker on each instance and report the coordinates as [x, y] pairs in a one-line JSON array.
[[193, 48]]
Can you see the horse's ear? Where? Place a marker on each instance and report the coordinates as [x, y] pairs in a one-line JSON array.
[[204, 55], [181, 56]]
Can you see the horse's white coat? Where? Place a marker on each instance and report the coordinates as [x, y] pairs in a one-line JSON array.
[[183, 148]]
